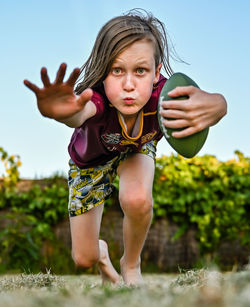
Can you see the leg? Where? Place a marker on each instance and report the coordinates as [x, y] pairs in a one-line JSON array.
[[135, 195], [87, 190], [87, 249]]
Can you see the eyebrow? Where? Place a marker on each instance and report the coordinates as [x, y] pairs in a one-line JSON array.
[[140, 62]]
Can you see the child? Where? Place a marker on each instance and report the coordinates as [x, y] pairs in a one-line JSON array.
[[114, 113]]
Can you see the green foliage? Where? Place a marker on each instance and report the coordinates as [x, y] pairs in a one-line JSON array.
[[32, 215], [27, 218], [203, 192], [18, 239], [11, 165]]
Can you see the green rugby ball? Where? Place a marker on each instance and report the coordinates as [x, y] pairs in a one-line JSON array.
[[188, 146]]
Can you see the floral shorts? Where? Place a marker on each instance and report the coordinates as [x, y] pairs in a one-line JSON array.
[[89, 187]]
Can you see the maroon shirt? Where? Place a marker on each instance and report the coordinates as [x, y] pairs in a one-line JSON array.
[[103, 136]]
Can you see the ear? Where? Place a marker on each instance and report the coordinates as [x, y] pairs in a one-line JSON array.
[[157, 73]]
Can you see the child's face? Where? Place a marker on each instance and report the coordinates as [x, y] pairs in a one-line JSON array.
[[129, 83]]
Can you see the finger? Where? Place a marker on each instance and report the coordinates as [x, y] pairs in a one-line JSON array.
[[169, 113], [182, 91], [73, 77], [44, 77], [60, 73], [175, 104], [175, 124], [31, 86], [85, 97], [184, 133]]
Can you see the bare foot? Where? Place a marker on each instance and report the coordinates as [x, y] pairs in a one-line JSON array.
[[131, 275], [108, 272]]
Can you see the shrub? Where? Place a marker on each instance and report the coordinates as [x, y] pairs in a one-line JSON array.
[[202, 193]]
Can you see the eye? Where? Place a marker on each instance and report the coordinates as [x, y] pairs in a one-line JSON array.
[[140, 70], [116, 70]]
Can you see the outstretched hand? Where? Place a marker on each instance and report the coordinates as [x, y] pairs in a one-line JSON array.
[[194, 114], [57, 100]]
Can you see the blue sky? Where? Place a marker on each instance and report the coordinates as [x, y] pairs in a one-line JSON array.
[[212, 36]]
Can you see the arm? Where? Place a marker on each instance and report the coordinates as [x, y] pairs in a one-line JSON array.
[[79, 118], [199, 111], [57, 100]]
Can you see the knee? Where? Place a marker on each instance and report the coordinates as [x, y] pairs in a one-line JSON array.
[[136, 203], [85, 261]]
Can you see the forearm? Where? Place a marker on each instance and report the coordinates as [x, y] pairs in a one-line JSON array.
[[80, 117], [73, 121]]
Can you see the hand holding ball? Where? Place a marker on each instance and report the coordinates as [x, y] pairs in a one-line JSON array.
[[188, 146]]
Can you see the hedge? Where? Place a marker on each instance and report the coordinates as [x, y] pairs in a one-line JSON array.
[[203, 193]]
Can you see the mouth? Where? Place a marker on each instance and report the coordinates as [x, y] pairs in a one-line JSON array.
[[129, 100]]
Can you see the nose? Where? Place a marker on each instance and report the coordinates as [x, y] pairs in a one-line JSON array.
[[128, 83]]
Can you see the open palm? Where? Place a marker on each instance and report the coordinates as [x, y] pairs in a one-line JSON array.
[[57, 100]]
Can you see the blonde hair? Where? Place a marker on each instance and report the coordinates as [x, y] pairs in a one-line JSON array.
[[115, 36]]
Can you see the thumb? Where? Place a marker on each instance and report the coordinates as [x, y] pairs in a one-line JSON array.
[[84, 97], [182, 91]]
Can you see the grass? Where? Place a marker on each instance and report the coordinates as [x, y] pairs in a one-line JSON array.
[[189, 288]]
